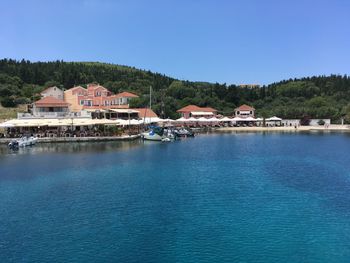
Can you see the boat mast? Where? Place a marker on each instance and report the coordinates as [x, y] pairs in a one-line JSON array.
[[150, 97]]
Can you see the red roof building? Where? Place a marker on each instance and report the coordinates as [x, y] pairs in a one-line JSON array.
[[96, 96], [146, 113], [244, 111], [50, 107], [51, 102], [126, 94], [195, 111]]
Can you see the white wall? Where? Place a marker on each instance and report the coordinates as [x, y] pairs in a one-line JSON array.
[[313, 122], [53, 92]]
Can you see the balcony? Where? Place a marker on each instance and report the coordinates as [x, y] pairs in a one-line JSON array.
[[54, 115]]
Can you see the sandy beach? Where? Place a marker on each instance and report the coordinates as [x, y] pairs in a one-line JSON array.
[[331, 128]]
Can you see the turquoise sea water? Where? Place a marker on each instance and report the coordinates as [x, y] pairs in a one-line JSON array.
[[214, 198]]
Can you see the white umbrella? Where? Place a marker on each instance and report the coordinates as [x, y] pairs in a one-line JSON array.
[[192, 119], [166, 120], [121, 122], [213, 119], [182, 119], [135, 122], [202, 119], [274, 118], [225, 119], [237, 119], [152, 119], [250, 119]]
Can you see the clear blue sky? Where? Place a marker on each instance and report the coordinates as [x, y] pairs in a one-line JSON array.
[[246, 41]]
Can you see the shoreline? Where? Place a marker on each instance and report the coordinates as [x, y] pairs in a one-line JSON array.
[[331, 128], [78, 139]]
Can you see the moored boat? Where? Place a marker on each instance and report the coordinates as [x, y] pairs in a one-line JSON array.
[[183, 132], [158, 134], [23, 142]]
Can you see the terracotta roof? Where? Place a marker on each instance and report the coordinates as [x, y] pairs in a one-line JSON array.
[[245, 107], [145, 112], [195, 108], [77, 87], [51, 102], [125, 94]]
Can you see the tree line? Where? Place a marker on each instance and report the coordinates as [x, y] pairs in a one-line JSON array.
[[314, 97]]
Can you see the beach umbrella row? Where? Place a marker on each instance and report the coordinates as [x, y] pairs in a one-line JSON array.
[[121, 122]]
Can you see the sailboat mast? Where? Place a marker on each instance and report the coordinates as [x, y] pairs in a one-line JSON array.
[[150, 97]]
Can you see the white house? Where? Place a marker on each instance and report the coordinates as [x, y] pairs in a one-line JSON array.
[[53, 92], [244, 111]]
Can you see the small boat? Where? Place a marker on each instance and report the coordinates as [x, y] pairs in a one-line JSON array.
[[183, 132], [154, 134], [23, 142], [158, 134]]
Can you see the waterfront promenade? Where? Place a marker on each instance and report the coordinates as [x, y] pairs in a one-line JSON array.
[[330, 128]]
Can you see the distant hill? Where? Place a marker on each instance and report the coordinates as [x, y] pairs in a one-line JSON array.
[[317, 97]]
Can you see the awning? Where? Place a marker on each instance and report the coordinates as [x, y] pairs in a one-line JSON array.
[[213, 119], [56, 122], [121, 122], [128, 111], [166, 120], [95, 110], [199, 113], [151, 119]]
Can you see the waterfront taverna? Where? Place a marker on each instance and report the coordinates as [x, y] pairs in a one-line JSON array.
[[80, 112]]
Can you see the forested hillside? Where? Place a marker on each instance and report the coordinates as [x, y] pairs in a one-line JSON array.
[[317, 97]]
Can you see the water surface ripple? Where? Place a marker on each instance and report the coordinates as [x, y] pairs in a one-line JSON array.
[[215, 198]]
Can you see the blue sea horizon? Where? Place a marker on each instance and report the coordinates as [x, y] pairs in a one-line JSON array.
[[247, 197]]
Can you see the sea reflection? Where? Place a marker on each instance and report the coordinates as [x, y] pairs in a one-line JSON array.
[[73, 147]]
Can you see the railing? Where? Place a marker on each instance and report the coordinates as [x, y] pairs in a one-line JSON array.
[[81, 114]]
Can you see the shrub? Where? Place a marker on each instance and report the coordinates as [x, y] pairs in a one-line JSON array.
[[321, 122]]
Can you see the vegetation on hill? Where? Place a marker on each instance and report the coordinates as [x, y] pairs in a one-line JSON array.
[[316, 97]]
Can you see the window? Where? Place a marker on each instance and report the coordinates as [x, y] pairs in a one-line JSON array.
[[81, 102]]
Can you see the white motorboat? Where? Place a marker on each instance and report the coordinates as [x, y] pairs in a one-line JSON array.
[[158, 134], [23, 142], [151, 136]]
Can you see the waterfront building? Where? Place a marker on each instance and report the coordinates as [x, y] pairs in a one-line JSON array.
[[50, 107], [245, 111], [96, 97], [53, 92], [196, 112]]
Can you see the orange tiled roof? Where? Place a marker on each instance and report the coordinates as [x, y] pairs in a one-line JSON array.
[[191, 108], [51, 102], [76, 87], [245, 107], [145, 112], [125, 94]]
